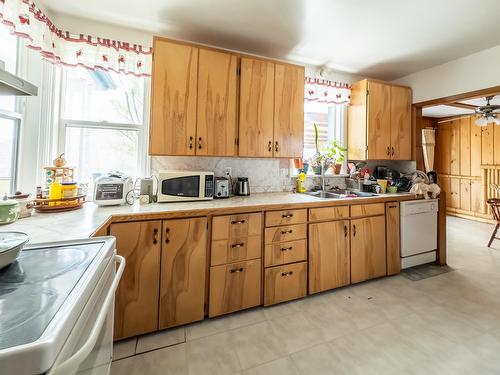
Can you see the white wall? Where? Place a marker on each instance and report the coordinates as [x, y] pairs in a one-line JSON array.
[[477, 71]]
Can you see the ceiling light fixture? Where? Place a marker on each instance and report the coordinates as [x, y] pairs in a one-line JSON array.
[[487, 114]]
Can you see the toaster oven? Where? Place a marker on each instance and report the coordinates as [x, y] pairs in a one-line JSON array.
[[183, 186]]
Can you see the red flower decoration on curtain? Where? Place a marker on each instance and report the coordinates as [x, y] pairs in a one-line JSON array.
[[79, 53], [24, 19], [105, 58], [311, 92], [139, 64], [325, 94], [121, 59]]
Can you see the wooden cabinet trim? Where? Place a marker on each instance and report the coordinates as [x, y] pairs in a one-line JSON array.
[[361, 210], [285, 283], [285, 233], [329, 213], [285, 217], [277, 254]]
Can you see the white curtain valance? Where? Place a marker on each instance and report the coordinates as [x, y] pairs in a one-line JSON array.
[[27, 21], [325, 91]]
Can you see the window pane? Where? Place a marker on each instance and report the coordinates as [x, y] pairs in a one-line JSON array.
[[101, 150], [7, 159], [8, 54], [103, 96]]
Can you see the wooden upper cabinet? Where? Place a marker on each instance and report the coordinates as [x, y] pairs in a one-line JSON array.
[[173, 98], [400, 123], [136, 304], [465, 149], [288, 111], [448, 147], [256, 112], [183, 270], [487, 139], [216, 125], [379, 121]]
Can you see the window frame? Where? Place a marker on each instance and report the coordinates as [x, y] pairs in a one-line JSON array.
[[142, 129]]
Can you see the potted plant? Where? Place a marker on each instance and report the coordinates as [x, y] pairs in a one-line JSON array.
[[318, 158], [335, 152]]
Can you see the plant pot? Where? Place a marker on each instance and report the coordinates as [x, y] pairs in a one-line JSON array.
[[305, 168], [337, 168], [316, 170]]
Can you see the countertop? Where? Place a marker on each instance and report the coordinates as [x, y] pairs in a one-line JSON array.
[[82, 223]]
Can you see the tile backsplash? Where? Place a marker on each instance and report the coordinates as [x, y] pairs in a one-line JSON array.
[[264, 175]]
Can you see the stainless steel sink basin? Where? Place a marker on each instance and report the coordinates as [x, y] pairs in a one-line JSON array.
[[340, 194]]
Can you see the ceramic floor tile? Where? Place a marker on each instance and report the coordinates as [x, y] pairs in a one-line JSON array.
[[160, 339], [283, 366], [124, 348], [167, 361]]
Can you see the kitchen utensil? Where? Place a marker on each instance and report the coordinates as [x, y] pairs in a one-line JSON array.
[[9, 210], [11, 244], [383, 185], [242, 186]]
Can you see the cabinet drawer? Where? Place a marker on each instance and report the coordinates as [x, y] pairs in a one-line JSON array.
[[234, 287], [367, 209], [286, 233], [284, 283], [328, 213], [236, 250], [285, 252], [285, 217], [231, 226]]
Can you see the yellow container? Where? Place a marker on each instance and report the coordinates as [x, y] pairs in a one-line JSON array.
[[69, 189], [55, 192], [383, 186]]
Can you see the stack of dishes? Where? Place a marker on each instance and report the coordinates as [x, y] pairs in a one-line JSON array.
[[11, 245]]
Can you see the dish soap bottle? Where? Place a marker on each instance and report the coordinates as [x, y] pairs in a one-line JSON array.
[[300, 183], [55, 192]]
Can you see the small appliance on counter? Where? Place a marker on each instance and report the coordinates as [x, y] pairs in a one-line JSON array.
[[147, 190], [222, 188], [9, 210], [112, 189], [183, 186], [242, 186]]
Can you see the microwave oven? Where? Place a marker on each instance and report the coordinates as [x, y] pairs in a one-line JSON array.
[[183, 186]]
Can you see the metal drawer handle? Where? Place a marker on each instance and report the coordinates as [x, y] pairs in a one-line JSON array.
[[237, 270], [354, 231], [388, 150], [286, 231], [345, 231], [270, 146], [285, 274], [276, 147], [199, 143], [286, 248], [238, 222], [236, 245], [286, 216], [190, 142], [155, 236], [392, 152], [167, 235], [393, 206]]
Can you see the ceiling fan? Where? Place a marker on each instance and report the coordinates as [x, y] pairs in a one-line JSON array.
[[487, 114]]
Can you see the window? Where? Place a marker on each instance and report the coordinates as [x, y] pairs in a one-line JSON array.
[[10, 118], [330, 120], [102, 125]]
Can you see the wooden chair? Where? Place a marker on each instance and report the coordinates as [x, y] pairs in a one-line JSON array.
[[494, 203]]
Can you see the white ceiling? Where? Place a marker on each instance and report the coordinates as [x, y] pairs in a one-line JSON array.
[[446, 110], [384, 39]]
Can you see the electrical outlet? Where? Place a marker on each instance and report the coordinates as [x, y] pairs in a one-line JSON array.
[[227, 171]]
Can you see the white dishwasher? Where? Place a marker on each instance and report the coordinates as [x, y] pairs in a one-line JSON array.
[[418, 232]]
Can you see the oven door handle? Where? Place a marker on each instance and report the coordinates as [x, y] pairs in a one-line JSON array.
[[71, 364]]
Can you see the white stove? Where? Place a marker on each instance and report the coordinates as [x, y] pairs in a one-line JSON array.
[[56, 308]]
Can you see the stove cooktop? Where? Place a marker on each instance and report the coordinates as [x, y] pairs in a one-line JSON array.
[[33, 288]]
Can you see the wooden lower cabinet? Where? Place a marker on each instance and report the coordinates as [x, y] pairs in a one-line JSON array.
[[329, 258], [285, 252], [392, 225], [285, 283], [136, 303], [236, 250], [368, 248], [234, 287], [465, 196], [183, 269]]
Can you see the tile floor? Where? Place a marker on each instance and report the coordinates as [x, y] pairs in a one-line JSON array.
[[447, 324]]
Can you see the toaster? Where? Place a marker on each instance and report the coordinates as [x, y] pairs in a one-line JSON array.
[[221, 187], [112, 189]]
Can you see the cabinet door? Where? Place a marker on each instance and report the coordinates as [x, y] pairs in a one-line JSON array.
[[173, 99], [475, 149], [454, 194], [329, 257], [393, 238], [256, 108], [379, 121], [465, 142], [442, 158], [445, 184], [183, 268], [455, 147], [288, 111], [487, 138], [216, 125], [136, 304], [357, 122], [465, 197], [368, 251], [400, 123], [234, 287], [476, 196]]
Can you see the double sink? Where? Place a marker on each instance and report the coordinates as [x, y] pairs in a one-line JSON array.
[[340, 194]]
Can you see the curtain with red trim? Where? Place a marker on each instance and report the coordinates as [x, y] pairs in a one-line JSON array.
[[24, 19], [325, 91]]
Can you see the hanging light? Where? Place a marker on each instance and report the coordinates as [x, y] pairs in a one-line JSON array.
[[482, 121], [486, 114]]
